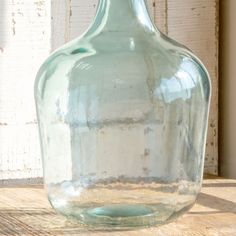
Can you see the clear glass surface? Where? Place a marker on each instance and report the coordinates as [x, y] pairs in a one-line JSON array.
[[122, 113]]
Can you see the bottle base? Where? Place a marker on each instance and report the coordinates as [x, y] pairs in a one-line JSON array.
[[122, 206], [123, 216]]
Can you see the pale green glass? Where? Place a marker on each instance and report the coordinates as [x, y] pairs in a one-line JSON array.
[[123, 115]]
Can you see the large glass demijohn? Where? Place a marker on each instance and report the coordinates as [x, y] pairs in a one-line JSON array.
[[122, 114]]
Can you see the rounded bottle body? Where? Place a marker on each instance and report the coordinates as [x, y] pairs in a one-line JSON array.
[[123, 117]]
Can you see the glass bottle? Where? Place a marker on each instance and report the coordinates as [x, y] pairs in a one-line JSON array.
[[122, 113]]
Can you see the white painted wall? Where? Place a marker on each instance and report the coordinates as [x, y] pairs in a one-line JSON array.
[[24, 43], [30, 29]]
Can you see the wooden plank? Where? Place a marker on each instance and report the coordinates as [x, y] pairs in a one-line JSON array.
[[151, 5], [24, 210], [24, 43], [161, 14], [60, 17], [81, 15]]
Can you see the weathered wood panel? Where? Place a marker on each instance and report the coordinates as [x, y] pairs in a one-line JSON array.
[[24, 43], [60, 17], [161, 14]]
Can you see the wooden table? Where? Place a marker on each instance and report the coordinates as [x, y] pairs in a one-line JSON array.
[[24, 210]]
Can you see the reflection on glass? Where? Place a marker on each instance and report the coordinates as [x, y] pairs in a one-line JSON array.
[[180, 85]]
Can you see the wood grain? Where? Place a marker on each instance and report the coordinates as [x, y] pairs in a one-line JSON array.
[[24, 44], [161, 15], [24, 210]]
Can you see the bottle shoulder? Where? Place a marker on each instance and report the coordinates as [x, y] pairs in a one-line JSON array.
[[156, 46], [86, 61]]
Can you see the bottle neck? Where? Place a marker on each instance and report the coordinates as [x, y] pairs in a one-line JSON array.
[[122, 15]]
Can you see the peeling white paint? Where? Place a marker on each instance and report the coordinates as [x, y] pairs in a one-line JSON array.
[[25, 33]]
